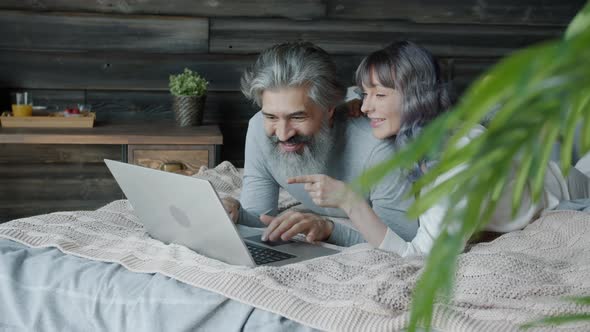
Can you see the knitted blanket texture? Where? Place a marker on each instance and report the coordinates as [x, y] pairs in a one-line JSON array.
[[519, 277]]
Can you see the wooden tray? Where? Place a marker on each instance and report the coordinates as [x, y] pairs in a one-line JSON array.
[[84, 121]]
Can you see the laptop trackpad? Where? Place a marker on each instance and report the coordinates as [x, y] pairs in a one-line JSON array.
[[256, 238]]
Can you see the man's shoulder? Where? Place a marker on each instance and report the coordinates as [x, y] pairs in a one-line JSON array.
[[255, 127], [256, 120], [255, 146]]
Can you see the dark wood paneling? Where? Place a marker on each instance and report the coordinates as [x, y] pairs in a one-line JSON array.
[[122, 71], [234, 139], [229, 107], [521, 12], [346, 65], [50, 154], [128, 71], [254, 8], [56, 170], [5, 99], [363, 37], [525, 12], [90, 32], [464, 71], [114, 106]]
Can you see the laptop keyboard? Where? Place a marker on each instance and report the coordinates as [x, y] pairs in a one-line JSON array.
[[264, 255]]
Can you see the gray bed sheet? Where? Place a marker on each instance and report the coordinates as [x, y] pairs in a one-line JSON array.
[[582, 204], [47, 290]]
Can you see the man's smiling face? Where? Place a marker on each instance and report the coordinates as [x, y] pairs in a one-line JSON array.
[[298, 129], [291, 119]]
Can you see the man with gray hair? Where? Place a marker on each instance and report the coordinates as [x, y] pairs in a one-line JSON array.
[[297, 132]]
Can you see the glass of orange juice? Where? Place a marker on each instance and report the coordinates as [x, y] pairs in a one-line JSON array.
[[22, 110], [23, 106]]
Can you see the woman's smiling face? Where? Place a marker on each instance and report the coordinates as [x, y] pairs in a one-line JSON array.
[[383, 106]]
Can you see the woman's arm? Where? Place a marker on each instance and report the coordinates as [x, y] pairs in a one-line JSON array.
[[329, 192], [365, 220]]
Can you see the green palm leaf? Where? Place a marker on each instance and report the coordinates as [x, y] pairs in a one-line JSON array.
[[563, 319], [540, 94]]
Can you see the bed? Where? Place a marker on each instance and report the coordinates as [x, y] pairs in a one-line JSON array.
[[98, 270], [43, 289]]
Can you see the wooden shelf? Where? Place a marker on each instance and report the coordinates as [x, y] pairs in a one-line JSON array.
[[136, 133]]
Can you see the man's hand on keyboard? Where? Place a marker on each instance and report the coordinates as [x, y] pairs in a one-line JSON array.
[[285, 226]]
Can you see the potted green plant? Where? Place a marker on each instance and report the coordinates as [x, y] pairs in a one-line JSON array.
[[189, 91]]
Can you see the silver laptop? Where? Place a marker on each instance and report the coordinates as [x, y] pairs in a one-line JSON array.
[[186, 210]]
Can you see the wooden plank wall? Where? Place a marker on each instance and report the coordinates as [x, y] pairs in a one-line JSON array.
[[117, 55]]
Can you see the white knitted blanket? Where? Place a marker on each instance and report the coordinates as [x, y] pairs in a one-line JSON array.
[[519, 277]]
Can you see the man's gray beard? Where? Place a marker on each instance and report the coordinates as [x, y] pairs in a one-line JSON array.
[[312, 159]]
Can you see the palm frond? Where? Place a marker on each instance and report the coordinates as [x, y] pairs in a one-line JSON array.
[[541, 94], [558, 320], [563, 319]]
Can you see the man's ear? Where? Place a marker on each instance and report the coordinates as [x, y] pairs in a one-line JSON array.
[[331, 115]]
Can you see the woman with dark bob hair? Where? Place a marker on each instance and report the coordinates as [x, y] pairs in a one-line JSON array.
[[402, 91]]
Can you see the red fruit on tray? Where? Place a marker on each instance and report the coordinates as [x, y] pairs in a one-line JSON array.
[[75, 111]]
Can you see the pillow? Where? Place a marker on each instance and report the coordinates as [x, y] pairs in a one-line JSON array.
[[227, 181]]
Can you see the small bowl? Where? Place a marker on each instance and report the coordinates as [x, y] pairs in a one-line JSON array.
[[72, 115]]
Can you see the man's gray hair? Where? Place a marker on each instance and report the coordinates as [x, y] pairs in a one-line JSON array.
[[295, 64]]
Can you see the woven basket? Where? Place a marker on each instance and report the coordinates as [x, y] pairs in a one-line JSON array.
[[188, 110]]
